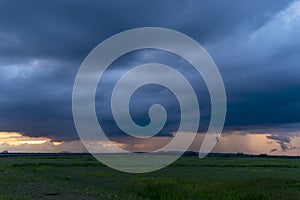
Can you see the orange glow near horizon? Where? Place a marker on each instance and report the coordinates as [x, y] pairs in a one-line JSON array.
[[17, 139], [57, 143], [17, 142], [228, 143]]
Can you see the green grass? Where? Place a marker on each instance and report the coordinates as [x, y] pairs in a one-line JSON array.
[[82, 177]]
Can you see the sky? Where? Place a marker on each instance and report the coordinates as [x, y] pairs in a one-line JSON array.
[[255, 44]]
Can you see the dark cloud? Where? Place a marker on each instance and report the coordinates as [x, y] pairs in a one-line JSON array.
[[282, 134], [283, 146], [281, 138], [255, 45], [273, 150]]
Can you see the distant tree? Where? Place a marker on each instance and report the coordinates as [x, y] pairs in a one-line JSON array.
[[240, 154], [5, 151], [66, 152], [263, 155], [190, 153]]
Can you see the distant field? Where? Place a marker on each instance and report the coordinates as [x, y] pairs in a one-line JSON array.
[[82, 177]]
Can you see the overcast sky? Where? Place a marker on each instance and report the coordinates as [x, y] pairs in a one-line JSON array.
[[255, 44]]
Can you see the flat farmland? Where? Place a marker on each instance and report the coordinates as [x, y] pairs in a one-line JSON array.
[[83, 177]]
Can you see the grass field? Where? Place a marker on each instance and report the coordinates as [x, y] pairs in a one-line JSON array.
[[82, 177]]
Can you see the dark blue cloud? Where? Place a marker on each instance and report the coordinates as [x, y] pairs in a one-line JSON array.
[[255, 45]]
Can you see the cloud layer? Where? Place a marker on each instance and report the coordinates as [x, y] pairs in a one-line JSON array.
[[255, 44]]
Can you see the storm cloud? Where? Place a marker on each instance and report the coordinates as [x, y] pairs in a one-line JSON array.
[[255, 44]]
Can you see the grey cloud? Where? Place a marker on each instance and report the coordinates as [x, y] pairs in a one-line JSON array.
[[283, 146], [283, 138], [280, 133], [43, 45], [273, 150]]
